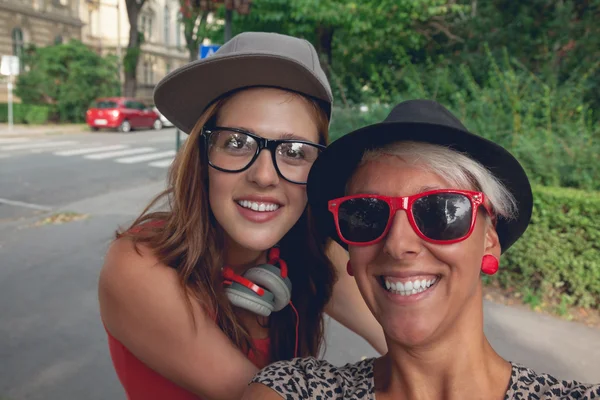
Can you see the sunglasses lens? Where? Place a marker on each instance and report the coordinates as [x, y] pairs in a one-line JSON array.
[[362, 220], [443, 216]]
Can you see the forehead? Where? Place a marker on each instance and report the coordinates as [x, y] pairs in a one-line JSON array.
[[271, 113], [392, 176]]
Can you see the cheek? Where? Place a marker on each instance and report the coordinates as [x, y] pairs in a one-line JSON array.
[[220, 187], [361, 256]]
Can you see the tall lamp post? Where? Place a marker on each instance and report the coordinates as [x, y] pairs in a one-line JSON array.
[[96, 5]]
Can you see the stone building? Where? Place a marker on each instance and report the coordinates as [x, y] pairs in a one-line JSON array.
[[41, 22]]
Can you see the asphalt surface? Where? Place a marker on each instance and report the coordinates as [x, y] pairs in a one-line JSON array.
[[52, 343]]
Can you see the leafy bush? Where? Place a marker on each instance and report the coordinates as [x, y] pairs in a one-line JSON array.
[[559, 254], [67, 78], [546, 125], [25, 113]]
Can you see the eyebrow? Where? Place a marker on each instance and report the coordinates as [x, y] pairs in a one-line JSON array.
[[282, 136]]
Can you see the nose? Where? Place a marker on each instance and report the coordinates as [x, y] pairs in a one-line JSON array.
[[402, 242], [263, 172]]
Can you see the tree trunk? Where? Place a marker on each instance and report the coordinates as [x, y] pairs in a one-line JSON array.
[[132, 52]]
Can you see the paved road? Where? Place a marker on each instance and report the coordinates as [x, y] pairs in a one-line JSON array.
[[52, 344]]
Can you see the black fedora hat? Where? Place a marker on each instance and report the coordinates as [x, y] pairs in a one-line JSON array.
[[420, 121]]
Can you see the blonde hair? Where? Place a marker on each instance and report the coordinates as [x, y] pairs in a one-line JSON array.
[[457, 168]]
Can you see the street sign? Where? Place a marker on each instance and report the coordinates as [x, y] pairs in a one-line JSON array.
[[208, 50], [9, 65]]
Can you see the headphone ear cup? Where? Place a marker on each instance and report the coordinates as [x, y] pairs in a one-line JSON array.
[[269, 276], [245, 298]]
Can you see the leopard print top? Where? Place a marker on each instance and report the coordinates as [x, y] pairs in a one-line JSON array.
[[309, 378]]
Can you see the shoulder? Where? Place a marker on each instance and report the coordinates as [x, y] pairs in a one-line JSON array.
[[526, 382], [304, 378], [134, 282]]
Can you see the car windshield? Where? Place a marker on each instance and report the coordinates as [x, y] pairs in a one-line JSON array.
[[105, 104]]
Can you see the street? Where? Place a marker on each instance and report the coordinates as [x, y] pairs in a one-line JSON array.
[[61, 199]]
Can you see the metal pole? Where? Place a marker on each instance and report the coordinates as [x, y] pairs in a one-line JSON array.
[[177, 140], [119, 32], [10, 104], [228, 16]]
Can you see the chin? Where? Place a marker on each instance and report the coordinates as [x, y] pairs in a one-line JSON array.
[[256, 241], [409, 332]]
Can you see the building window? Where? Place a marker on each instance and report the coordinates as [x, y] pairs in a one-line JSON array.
[[58, 39], [168, 67], [167, 26], [146, 27], [17, 42]]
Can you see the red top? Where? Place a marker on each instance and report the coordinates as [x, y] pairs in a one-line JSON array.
[[141, 382]]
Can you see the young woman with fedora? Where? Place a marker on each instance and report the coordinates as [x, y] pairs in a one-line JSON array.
[[231, 274], [424, 207]]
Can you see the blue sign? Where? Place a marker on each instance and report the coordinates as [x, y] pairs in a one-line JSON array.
[[207, 51]]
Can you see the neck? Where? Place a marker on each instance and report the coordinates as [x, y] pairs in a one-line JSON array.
[[459, 361], [240, 259]]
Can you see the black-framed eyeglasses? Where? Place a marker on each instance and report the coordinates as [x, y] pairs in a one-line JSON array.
[[235, 150]]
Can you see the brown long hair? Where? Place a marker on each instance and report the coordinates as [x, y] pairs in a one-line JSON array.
[[187, 238]]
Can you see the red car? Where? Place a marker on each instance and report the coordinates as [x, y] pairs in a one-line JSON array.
[[121, 113]]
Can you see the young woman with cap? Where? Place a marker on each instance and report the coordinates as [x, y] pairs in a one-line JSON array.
[[231, 275], [424, 207]]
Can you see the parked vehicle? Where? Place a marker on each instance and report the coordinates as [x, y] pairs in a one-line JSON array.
[[122, 113], [163, 119]]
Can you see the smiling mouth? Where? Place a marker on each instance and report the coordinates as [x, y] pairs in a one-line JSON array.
[[408, 287], [258, 205]]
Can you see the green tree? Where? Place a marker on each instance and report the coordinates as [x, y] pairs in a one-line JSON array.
[[133, 51], [67, 77], [194, 18], [362, 45]]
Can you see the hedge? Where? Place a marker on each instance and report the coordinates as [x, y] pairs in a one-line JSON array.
[[25, 113], [558, 257]]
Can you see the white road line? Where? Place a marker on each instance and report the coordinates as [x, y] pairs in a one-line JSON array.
[[26, 205], [146, 157], [14, 140], [161, 164], [89, 150], [31, 146], [165, 139], [112, 154]]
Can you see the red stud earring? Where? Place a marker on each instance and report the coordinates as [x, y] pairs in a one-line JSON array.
[[489, 264], [349, 269]]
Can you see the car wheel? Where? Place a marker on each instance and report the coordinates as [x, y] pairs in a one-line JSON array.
[[157, 125], [94, 128], [125, 126]]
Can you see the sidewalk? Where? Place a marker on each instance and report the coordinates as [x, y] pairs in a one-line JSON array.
[[40, 130]]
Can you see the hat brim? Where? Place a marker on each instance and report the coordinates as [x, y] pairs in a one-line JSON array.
[[183, 95], [334, 167]]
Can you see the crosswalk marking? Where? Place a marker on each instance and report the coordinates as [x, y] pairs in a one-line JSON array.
[[13, 140], [39, 145], [112, 154], [161, 164], [89, 150], [146, 157]]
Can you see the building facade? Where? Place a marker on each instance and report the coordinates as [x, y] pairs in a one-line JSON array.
[[39, 22], [106, 29], [103, 25]]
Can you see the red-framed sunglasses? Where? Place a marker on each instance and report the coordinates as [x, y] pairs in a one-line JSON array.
[[441, 216]]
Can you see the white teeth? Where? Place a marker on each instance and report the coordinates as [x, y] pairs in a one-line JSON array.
[[410, 287], [260, 207]]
